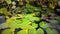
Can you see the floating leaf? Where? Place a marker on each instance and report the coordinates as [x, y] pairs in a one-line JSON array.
[[40, 31], [51, 31], [37, 9], [8, 1], [29, 6], [59, 3], [1, 1], [31, 17], [8, 31], [44, 8], [27, 1], [30, 10], [52, 6], [12, 21], [54, 21], [3, 25], [19, 16], [43, 25], [58, 17], [23, 31], [26, 27], [4, 11], [54, 31], [16, 25], [34, 25], [25, 24], [32, 31]]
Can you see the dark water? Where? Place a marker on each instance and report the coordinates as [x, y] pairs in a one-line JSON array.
[[2, 19]]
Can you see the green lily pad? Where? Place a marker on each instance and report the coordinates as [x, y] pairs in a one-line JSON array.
[[51, 31], [32, 31], [3, 25], [23, 32], [8, 1], [34, 25], [40, 31], [43, 25], [7, 31]]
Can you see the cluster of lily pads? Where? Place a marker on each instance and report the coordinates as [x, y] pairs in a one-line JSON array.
[[29, 17]]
